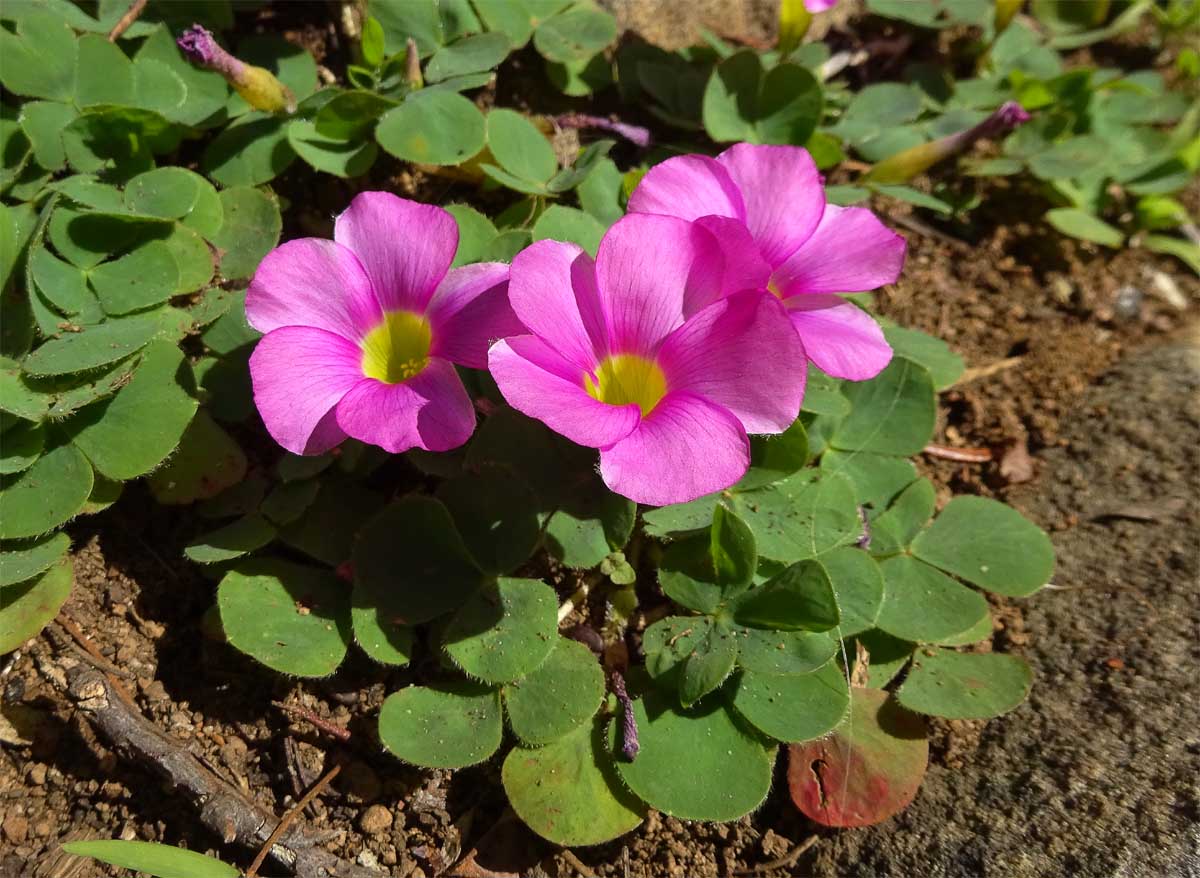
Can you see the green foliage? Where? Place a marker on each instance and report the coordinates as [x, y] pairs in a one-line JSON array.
[[702, 571], [248, 534], [923, 604], [800, 597], [410, 559], [743, 101], [1086, 226], [434, 128], [988, 544], [293, 619], [793, 707], [766, 651], [46, 494], [207, 462], [29, 606], [696, 764], [471, 54], [158, 860], [526, 160], [134, 431], [449, 726], [902, 397], [568, 791], [559, 223], [25, 559], [250, 228], [582, 520], [857, 583], [557, 697], [496, 514], [504, 631], [960, 685]]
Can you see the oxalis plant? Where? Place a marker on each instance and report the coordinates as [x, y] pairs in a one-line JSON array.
[[617, 479], [601, 572]]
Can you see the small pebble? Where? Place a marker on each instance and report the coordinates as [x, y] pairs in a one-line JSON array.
[[1127, 304], [375, 820], [15, 828]]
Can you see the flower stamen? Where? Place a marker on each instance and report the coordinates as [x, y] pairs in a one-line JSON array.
[[627, 378], [398, 348]]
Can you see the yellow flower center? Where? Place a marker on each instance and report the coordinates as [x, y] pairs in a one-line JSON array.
[[625, 379], [398, 348], [773, 288]]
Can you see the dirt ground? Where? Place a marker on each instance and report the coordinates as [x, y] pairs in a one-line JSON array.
[[1083, 383]]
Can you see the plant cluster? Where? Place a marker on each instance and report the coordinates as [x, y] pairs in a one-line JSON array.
[[800, 588]]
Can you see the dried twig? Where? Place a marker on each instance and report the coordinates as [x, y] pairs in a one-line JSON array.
[[223, 808], [468, 868], [783, 862], [289, 818], [962, 455], [915, 224], [131, 15], [577, 864], [977, 372], [308, 716], [93, 655]]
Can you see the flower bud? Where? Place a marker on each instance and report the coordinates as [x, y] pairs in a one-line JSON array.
[[635, 134], [903, 166], [257, 85], [412, 65], [1005, 10]]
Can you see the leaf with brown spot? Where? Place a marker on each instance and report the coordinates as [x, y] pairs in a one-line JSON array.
[[866, 770]]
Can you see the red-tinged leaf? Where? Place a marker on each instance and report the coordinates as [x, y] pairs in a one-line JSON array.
[[865, 770]]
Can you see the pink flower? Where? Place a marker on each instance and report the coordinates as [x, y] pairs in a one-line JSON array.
[[766, 205], [815, 6], [650, 354], [362, 332]]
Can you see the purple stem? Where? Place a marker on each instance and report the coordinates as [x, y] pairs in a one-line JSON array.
[[629, 732], [634, 133], [864, 539]]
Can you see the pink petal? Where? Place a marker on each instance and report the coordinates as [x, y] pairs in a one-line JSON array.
[[431, 411], [552, 290], [312, 282], [299, 374], [651, 272], [689, 187], [815, 6], [686, 448], [782, 190], [850, 251], [741, 353], [538, 382], [405, 247], [841, 338], [469, 311], [745, 269]]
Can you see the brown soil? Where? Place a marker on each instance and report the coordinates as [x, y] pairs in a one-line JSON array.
[[1094, 776]]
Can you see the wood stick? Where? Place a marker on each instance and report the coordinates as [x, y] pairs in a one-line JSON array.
[[783, 862], [131, 15], [962, 455], [223, 808], [289, 818], [308, 716]]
